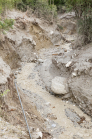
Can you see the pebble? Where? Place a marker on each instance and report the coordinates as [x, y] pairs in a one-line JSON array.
[[48, 104], [74, 74], [53, 125], [68, 64]]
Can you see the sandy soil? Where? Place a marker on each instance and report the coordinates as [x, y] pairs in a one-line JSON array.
[[29, 80]]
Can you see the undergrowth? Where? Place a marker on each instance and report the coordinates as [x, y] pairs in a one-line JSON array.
[[6, 24]]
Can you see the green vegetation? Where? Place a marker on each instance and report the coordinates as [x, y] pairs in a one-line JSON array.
[[47, 9], [41, 8], [83, 11], [7, 4], [6, 24], [57, 2], [4, 93]]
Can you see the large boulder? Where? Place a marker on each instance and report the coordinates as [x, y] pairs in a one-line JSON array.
[[58, 85], [48, 71]]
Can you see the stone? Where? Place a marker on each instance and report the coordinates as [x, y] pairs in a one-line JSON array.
[[81, 89], [51, 32], [58, 85], [74, 74], [77, 137], [73, 116], [40, 61], [67, 96], [37, 134], [48, 104], [53, 125], [48, 71], [56, 38], [68, 64]]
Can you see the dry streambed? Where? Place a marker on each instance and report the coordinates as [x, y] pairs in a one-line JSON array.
[[63, 119]]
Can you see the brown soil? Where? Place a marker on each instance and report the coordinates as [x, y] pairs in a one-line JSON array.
[[11, 111], [9, 55], [41, 39]]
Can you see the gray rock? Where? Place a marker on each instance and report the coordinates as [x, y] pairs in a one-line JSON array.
[[40, 61], [56, 38], [81, 88], [58, 85], [48, 71], [37, 134], [73, 116], [77, 137]]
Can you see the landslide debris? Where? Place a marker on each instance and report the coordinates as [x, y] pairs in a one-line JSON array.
[[78, 70]]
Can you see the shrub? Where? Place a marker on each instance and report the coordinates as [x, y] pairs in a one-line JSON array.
[[6, 24], [42, 8], [83, 11]]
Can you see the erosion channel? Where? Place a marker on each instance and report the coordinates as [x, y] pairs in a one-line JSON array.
[[45, 68]]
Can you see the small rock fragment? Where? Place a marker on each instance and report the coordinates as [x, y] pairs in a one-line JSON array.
[[74, 74], [40, 61], [37, 134], [53, 125], [68, 64]]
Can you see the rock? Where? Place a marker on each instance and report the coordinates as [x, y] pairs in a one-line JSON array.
[[73, 116], [65, 50], [58, 85], [40, 61], [37, 134], [68, 64], [51, 32], [48, 104], [56, 37], [48, 71], [77, 137], [53, 125], [74, 74], [16, 72], [67, 96], [81, 88], [68, 15]]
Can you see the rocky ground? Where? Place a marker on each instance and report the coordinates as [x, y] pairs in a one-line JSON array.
[[54, 80]]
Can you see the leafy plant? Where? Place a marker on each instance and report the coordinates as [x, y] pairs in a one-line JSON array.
[[42, 8], [4, 93], [56, 2], [6, 24], [83, 12]]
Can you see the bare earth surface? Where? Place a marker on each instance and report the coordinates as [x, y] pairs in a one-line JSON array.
[[66, 119], [37, 54]]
